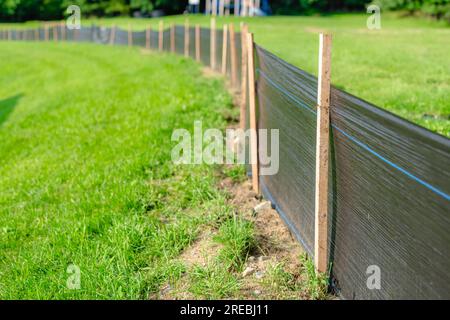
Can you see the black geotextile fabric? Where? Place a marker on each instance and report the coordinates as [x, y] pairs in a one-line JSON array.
[[389, 180], [389, 186]]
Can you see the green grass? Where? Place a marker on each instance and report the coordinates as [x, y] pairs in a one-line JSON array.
[[86, 177], [85, 170], [404, 67]]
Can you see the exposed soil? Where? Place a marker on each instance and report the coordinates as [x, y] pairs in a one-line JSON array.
[[274, 245]]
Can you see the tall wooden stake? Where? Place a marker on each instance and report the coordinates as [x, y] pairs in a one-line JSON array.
[[130, 36], [55, 33], [322, 155], [197, 43], [244, 84], [46, 32], [172, 38], [148, 33], [224, 49], [252, 105], [186, 38], [213, 43], [233, 56], [161, 36], [63, 31], [112, 37]]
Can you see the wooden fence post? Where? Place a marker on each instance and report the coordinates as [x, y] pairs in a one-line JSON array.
[[46, 32], [36, 34], [197, 43], [322, 155], [213, 43], [224, 49], [112, 36], [55, 32], [237, 6], [161, 36], [148, 32], [243, 111], [130, 36], [63, 31], [186, 38], [252, 105], [233, 57], [172, 38]]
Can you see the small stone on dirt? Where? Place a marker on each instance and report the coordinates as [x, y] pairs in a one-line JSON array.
[[248, 271], [165, 289], [265, 205], [259, 274], [263, 258], [256, 292], [251, 259]]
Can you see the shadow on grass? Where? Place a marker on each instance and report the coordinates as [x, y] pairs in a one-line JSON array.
[[7, 106]]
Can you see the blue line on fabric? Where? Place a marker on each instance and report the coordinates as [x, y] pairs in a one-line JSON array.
[[361, 144], [274, 84]]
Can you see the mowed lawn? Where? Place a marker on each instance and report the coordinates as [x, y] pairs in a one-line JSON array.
[[404, 67], [86, 176]]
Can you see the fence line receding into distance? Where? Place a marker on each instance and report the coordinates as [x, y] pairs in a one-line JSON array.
[[384, 183]]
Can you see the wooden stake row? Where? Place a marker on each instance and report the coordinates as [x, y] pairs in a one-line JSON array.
[[248, 94], [322, 136]]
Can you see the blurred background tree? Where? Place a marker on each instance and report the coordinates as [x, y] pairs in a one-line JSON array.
[[21, 10]]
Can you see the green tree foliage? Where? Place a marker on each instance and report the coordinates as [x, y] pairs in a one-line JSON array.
[[20, 10], [439, 9], [313, 6]]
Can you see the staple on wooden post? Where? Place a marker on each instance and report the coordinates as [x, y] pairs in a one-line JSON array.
[[224, 48], [161, 36], [252, 107], [213, 43], [233, 57], [243, 109], [197, 43], [186, 38], [322, 155]]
